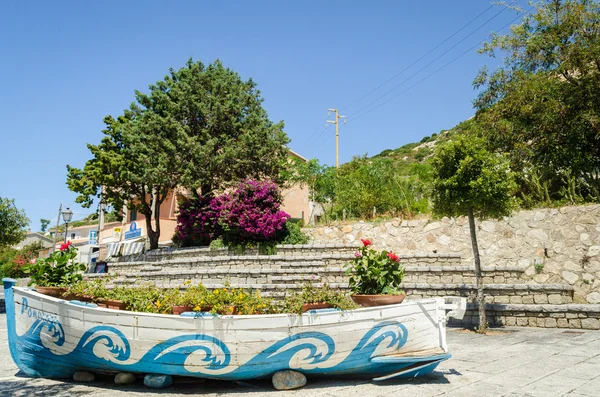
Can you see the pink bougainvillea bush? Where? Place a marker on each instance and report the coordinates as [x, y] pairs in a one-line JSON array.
[[252, 213], [249, 214], [198, 221]]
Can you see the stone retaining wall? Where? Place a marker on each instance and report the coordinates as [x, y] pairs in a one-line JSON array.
[[545, 316], [564, 243], [497, 293]]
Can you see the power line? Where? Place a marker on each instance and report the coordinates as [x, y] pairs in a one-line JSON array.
[[313, 134], [430, 63], [418, 60], [420, 70], [434, 72]]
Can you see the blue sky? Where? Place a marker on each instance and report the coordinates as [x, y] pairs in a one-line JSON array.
[[65, 65]]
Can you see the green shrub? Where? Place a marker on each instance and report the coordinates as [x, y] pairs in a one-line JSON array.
[[294, 234], [216, 244], [311, 294]]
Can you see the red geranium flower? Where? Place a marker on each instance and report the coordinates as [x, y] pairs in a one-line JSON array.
[[366, 242], [393, 257], [65, 246]]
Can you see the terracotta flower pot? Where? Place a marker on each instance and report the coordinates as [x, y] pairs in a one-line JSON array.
[[101, 303], [378, 300], [51, 291], [313, 306], [177, 310], [69, 296], [227, 310], [84, 298], [115, 304]]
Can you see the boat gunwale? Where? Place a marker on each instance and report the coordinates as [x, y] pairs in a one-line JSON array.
[[328, 313]]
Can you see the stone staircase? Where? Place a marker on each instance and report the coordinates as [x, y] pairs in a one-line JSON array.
[[511, 298]]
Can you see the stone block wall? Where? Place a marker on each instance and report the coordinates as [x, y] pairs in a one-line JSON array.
[[564, 243], [545, 316]]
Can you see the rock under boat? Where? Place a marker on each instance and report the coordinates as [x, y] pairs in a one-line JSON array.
[[54, 338]]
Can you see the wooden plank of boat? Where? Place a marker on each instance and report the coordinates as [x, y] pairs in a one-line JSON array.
[[412, 371], [50, 337], [412, 354]]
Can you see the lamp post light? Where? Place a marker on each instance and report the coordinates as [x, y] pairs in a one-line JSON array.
[[67, 215]]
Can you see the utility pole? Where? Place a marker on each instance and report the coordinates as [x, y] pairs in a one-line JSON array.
[[56, 230], [337, 133]]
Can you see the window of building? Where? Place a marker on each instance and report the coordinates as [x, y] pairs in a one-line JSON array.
[[132, 215]]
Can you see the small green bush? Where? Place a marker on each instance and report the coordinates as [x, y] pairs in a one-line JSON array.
[[216, 244], [294, 234]]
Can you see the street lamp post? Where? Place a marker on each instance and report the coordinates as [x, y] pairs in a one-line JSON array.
[[67, 215]]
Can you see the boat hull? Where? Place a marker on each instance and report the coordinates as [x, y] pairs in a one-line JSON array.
[[53, 338]]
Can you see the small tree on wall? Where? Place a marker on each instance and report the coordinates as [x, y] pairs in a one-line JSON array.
[[468, 179]]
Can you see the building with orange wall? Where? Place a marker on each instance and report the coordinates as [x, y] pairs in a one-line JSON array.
[[295, 203]]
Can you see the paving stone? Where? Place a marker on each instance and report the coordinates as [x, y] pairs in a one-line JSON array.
[[584, 370]]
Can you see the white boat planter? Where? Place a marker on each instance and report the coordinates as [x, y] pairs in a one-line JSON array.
[[54, 338]]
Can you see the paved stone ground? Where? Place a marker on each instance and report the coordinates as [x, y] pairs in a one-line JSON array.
[[510, 362]]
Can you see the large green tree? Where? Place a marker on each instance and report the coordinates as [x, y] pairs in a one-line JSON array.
[[12, 223], [470, 180], [201, 127], [543, 105]]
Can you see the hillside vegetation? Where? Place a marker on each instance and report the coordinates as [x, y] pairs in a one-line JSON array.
[[540, 110]]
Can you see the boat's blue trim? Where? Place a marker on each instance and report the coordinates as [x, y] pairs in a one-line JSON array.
[[197, 314], [326, 310], [13, 346], [84, 304], [412, 371]]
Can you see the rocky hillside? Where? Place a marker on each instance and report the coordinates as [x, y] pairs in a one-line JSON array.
[[417, 152]]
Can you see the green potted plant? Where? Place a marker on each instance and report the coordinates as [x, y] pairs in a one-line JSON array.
[[144, 298], [312, 297], [375, 277], [221, 301], [52, 274], [193, 298], [250, 302]]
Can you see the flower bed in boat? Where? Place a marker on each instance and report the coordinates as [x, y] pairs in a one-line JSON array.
[[226, 301]]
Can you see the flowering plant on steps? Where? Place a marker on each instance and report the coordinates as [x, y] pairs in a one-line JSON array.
[[59, 269], [375, 272]]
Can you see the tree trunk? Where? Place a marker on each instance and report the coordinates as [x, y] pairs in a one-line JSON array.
[[157, 204], [152, 235], [478, 275]]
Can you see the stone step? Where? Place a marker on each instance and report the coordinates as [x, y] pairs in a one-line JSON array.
[[413, 274], [289, 252], [283, 250], [497, 293], [297, 278], [419, 273], [256, 261], [498, 274], [578, 316]]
